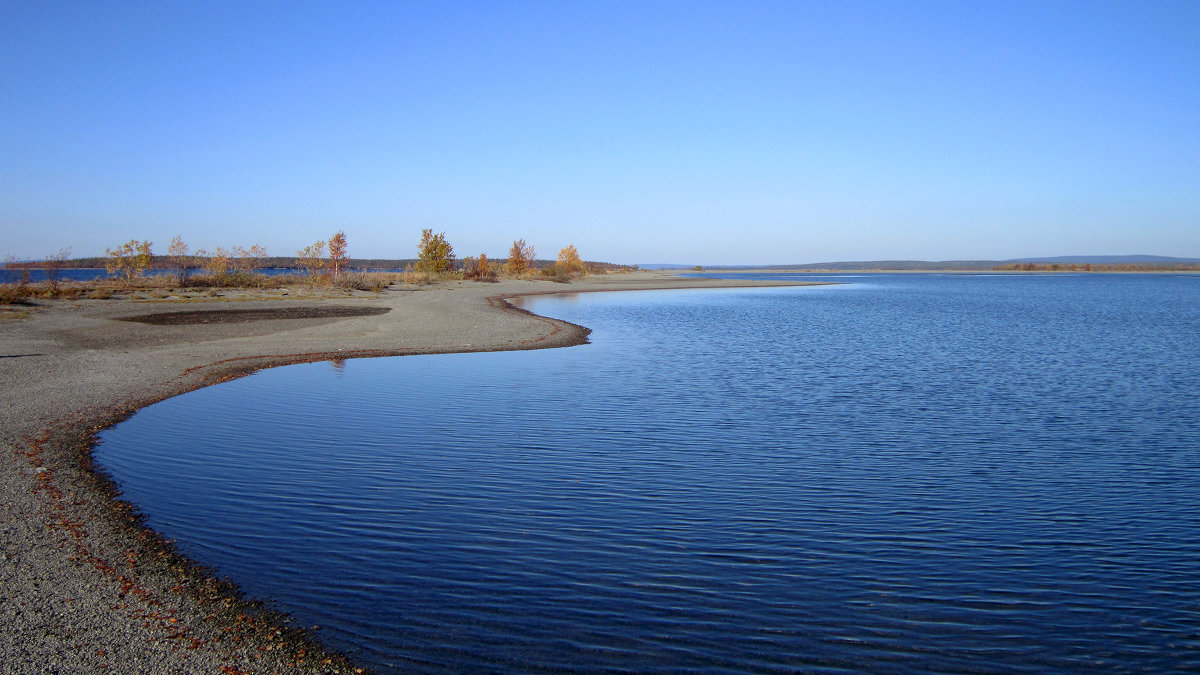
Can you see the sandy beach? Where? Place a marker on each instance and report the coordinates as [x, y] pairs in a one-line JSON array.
[[86, 588]]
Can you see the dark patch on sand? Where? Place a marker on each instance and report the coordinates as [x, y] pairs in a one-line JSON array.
[[247, 315]]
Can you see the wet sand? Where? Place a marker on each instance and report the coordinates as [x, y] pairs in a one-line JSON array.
[[85, 587]]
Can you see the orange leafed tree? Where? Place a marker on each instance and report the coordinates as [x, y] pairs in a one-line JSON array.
[[569, 262], [479, 269], [520, 258], [337, 253]]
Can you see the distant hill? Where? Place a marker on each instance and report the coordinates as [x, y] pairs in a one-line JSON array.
[[1125, 261], [1112, 260]]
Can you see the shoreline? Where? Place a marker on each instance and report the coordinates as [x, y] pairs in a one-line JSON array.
[[87, 586]]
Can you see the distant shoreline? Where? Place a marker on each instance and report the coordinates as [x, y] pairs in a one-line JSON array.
[[88, 585], [1195, 270]]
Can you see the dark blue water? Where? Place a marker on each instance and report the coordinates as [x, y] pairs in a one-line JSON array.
[[12, 276], [904, 473]]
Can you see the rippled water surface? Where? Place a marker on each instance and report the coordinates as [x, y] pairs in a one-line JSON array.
[[903, 473]]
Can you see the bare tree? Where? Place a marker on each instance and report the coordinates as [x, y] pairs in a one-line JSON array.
[[54, 265]]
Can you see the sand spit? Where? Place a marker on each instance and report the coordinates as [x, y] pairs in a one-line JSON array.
[[84, 588]]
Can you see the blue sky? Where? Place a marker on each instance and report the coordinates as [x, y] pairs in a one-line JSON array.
[[689, 132]]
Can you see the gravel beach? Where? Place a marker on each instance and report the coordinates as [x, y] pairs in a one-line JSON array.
[[87, 589]]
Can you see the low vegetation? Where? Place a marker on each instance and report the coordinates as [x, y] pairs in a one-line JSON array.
[[14, 294], [134, 270]]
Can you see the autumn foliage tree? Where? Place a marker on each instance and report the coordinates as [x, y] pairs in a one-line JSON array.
[[435, 255], [216, 263], [520, 258], [311, 258], [337, 253], [479, 269], [246, 260], [129, 260], [179, 255], [569, 262]]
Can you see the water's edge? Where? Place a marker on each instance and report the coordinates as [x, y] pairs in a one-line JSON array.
[[216, 605]]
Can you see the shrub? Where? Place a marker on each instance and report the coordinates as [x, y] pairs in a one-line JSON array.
[[556, 273], [479, 268], [70, 292], [416, 277], [364, 282], [14, 294], [227, 279]]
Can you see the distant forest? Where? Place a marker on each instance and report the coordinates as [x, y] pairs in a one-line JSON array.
[[1098, 267], [1061, 264]]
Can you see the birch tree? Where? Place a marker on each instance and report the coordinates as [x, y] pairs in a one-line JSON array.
[[337, 253]]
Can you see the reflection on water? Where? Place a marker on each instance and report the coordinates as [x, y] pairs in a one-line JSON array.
[[906, 473]]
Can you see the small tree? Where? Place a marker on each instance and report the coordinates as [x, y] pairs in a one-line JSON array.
[[479, 269], [54, 265], [246, 260], [520, 258], [179, 254], [435, 255], [217, 263], [337, 253], [311, 258], [569, 262], [130, 259], [23, 281]]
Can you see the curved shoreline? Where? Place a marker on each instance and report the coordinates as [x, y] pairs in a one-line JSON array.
[[87, 586]]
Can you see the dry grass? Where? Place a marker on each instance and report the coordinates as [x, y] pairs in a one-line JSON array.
[[14, 294], [202, 287], [14, 313], [169, 287], [416, 277], [376, 282]]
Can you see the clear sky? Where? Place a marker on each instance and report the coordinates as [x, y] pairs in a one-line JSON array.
[[643, 132]]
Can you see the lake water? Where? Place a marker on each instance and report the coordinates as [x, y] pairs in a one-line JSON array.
[[903, 473]]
